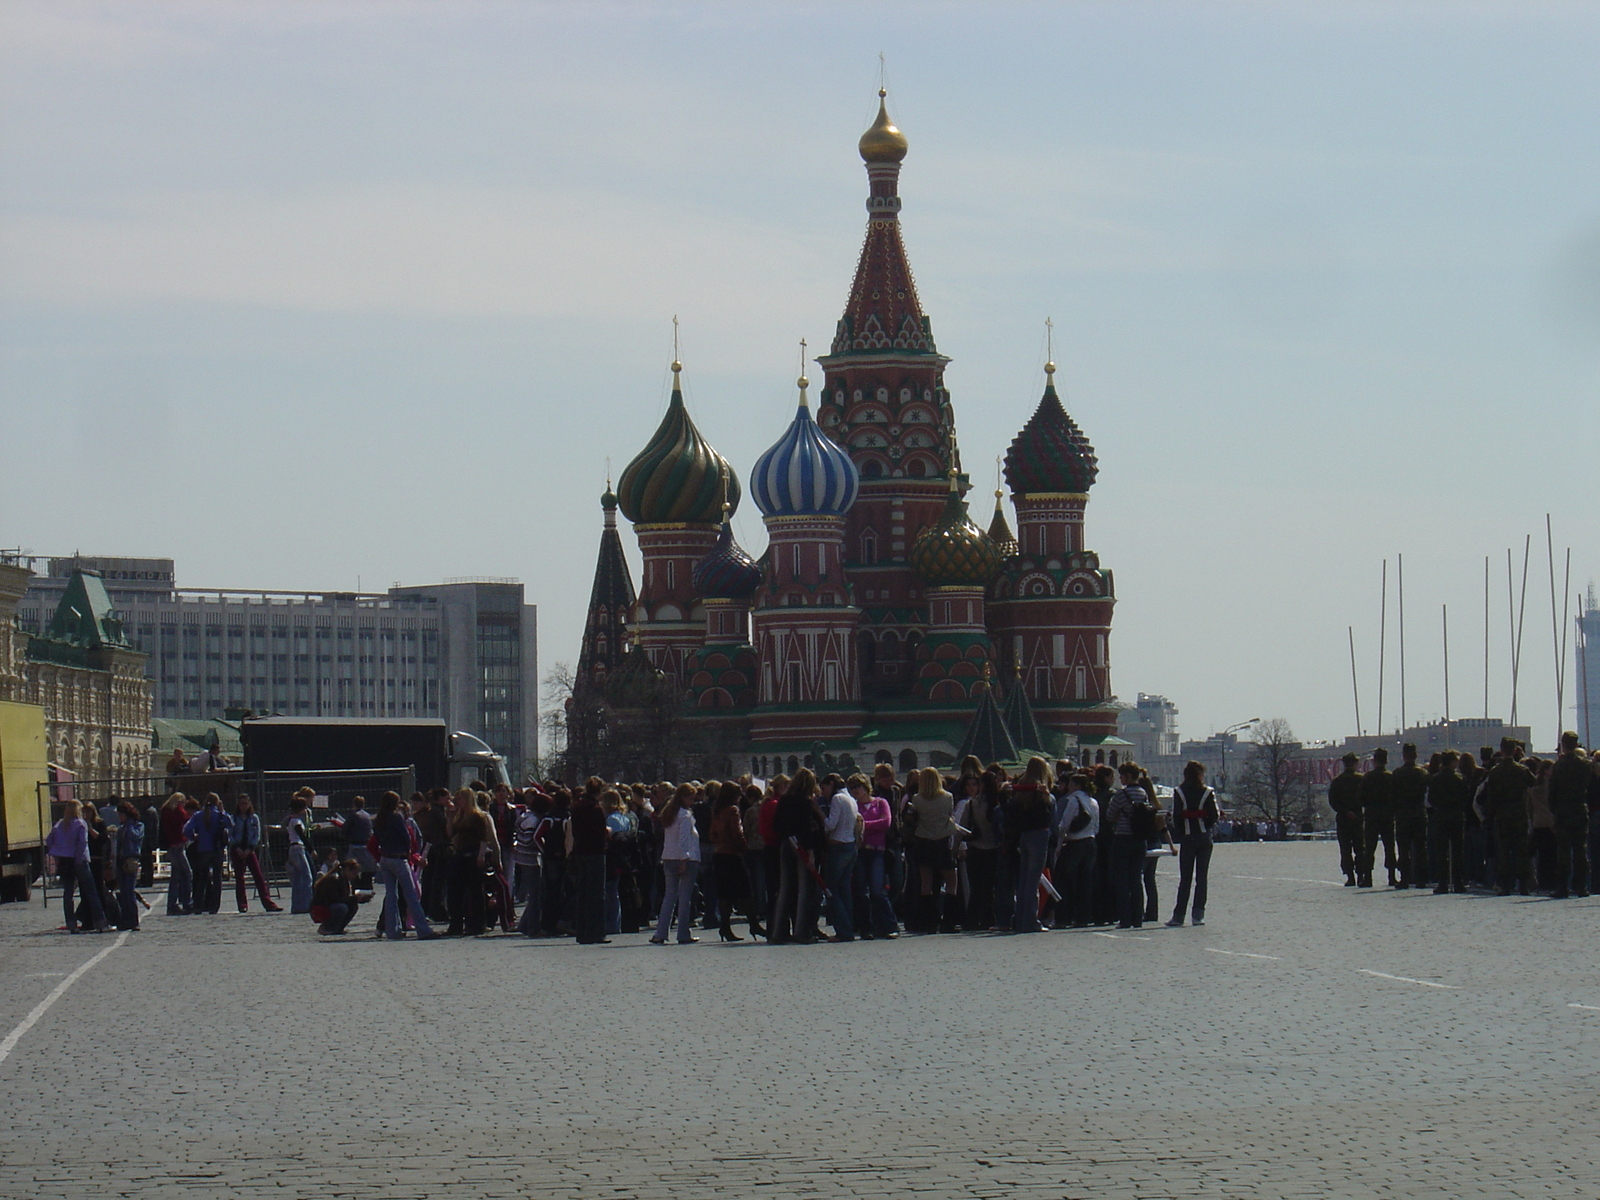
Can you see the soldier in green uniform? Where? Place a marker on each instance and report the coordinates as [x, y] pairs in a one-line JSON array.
[[1410, 788], [1448, 798], [1344, 797], [1569, 805], [1377, 817], [1505, 800]]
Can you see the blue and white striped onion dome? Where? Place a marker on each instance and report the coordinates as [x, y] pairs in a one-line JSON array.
[[806, 473]]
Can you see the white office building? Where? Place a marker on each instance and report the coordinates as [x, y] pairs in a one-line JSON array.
[[464, 651]]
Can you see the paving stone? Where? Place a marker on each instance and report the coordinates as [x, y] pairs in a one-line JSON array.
[[245, 1057]]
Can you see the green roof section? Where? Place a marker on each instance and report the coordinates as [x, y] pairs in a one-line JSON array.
[[987, 738], [169, 734], [85, 621]]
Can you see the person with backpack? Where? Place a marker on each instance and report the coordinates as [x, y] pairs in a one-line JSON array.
[[1127, 814], [1194, 808], [1078, 819]]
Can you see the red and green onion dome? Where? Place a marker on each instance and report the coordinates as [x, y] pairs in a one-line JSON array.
[[726, 572], [1050, 454], [953, 552], [677, 478]]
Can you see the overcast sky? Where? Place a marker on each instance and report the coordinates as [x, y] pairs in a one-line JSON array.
[[306, 294]]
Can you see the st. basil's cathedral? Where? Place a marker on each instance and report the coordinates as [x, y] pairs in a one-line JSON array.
[[882, 623]]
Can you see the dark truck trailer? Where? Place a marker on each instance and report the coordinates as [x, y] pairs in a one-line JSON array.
[[437, 757]]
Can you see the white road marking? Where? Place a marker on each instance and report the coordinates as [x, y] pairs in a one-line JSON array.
[[39, 1009], [44, 975], [1586, 1007], [1286, 879], [1403, 979], [1242, 954], [1112, 936]]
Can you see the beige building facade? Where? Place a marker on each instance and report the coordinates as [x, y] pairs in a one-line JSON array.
[[85, 675]]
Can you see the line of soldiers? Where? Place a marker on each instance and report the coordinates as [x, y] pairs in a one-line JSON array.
[[1423, 817]]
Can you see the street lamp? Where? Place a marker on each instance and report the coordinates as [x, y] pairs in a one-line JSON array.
[[1222, 783]]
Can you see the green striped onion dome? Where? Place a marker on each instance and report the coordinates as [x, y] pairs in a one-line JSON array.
[[677, 477], [953, 552]]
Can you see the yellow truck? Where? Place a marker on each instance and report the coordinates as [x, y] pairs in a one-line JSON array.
[[24, 808]]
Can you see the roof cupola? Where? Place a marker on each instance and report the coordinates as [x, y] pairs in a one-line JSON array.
[[677, 477]]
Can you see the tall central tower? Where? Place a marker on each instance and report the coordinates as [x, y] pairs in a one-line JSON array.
[[884, 400]]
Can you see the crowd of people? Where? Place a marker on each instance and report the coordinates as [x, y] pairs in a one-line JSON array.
[[1503, 820], [869, 856]]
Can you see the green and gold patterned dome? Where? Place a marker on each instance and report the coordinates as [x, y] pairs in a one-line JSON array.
[[677, 477], [953, 552]]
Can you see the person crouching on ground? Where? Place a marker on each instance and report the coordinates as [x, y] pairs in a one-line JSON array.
[[335, 899]]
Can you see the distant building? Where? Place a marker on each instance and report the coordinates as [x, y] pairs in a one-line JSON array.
[[489, 663], [1466, 734], [463, 651], [1587, 717], [1150, 726], [81, 669]]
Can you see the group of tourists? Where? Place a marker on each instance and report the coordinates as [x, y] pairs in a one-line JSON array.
[[979, 849], [870, 856], [1503, 820], [101, 864]]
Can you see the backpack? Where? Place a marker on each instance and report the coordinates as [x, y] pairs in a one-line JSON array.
[[1148, 821]]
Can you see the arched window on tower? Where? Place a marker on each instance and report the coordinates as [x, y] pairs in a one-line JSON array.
[[869, 547], [908, 760]]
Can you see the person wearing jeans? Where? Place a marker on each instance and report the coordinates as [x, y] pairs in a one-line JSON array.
[[68, 844], [1078, 819], [1195, 812], [129, 858], [839, 871], [395, 849], [210, 830], [876, 818], [1126, 874], [1028, 816], [680, 863], [180, 880], [299, 858]]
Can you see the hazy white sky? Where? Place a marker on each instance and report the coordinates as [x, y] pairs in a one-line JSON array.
[[301, 293]]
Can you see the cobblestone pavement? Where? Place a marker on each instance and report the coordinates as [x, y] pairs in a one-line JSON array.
[[1310, 1041]]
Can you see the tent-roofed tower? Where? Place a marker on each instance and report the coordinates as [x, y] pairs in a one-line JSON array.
[[883, 399], [611, 600]]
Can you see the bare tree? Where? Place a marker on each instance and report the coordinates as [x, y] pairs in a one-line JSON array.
[[1276, 781]]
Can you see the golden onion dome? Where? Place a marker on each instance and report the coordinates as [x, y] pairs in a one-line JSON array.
[[677, 477], [953, 552], [883, 143]]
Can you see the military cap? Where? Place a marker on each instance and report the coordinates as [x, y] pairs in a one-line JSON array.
[[1351, 756], [1508, 744], [1409, 748]]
